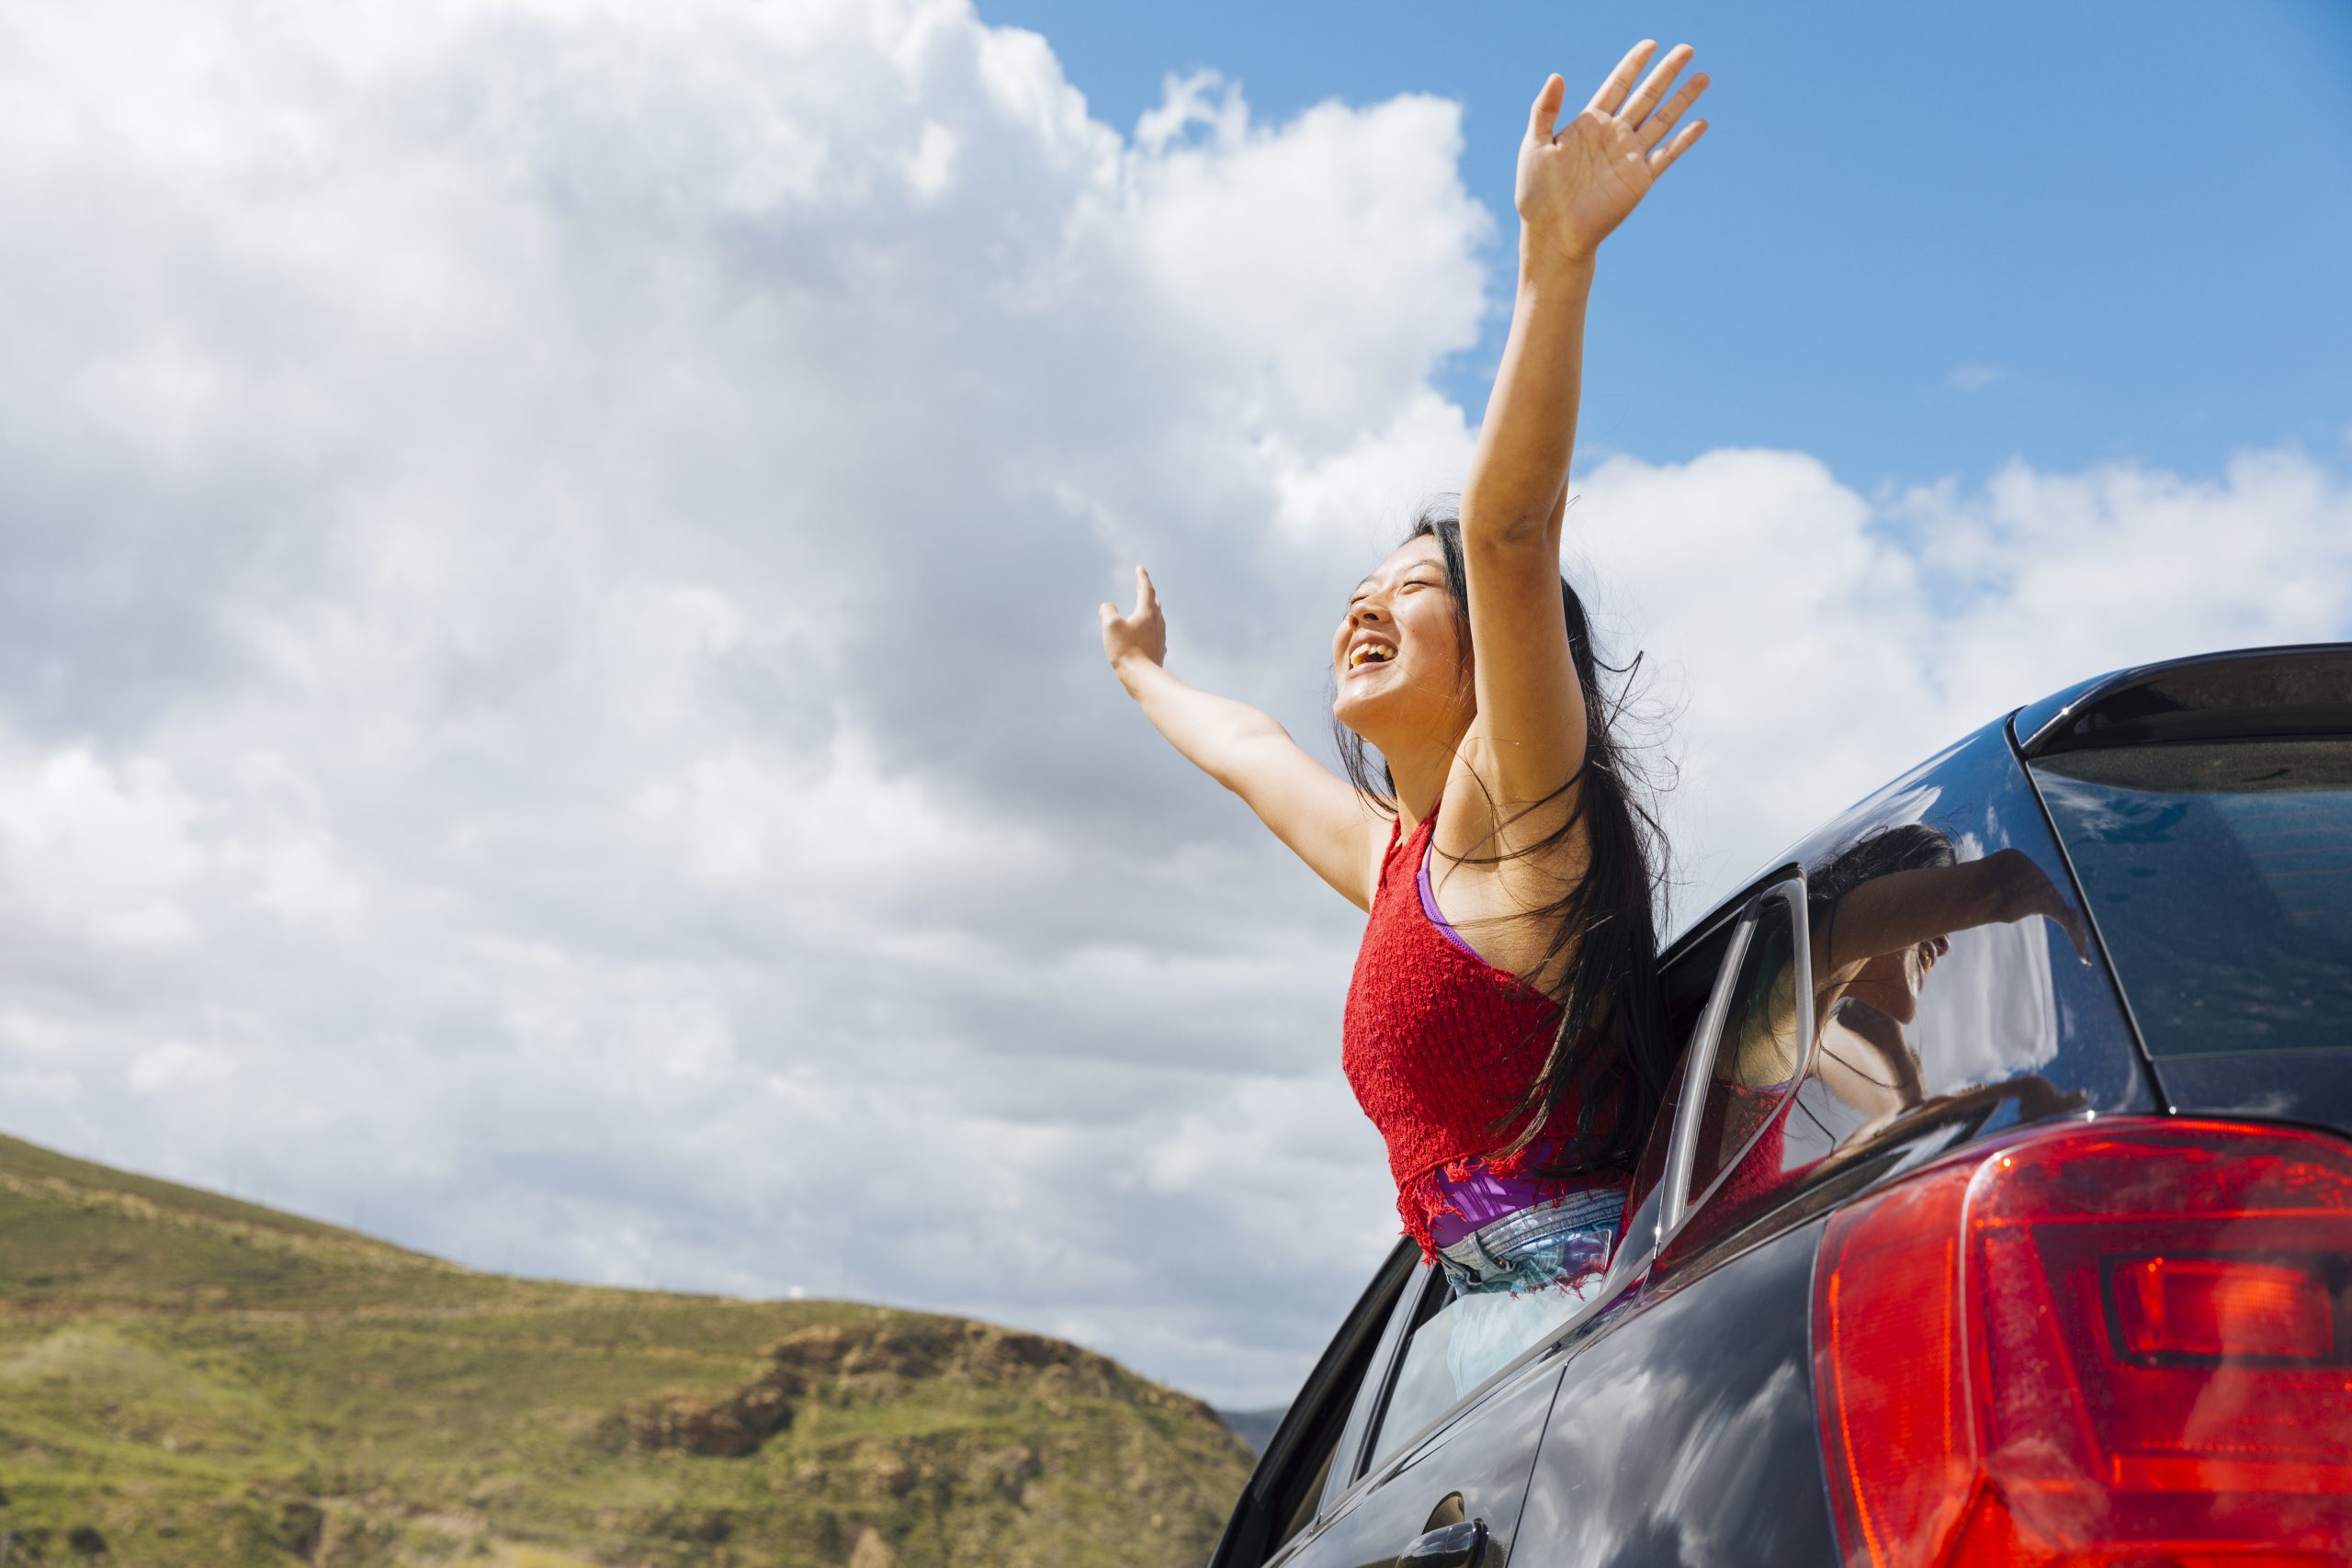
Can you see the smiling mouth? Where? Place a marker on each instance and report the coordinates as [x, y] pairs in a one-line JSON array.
[[1369, 653]]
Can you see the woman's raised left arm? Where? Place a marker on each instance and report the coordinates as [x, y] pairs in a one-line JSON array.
[[1576, 183]]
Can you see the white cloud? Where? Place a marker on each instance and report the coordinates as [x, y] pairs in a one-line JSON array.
[[1186, 101], [1974, 378], [550, 628], [1818, 645], [97, 850], [176, 1065]]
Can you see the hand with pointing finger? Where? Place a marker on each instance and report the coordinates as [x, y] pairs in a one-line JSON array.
[[1578, 181]]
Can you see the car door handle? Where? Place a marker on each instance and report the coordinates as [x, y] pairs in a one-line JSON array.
[[1454, 1545]]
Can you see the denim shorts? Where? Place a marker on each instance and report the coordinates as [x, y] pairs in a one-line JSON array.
[[1561, 1245]]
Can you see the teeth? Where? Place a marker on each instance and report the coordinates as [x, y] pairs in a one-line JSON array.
[[1370, 653]]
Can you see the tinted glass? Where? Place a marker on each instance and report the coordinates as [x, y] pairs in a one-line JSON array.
[[1955, 988], [1955, 982], [2220, 877], [1758, 1049]]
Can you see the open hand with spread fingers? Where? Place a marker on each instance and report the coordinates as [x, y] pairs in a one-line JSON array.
[[1578, 181]]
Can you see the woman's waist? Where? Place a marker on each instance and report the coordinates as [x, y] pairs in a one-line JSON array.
[[1480, 1247], [1476, 1195]]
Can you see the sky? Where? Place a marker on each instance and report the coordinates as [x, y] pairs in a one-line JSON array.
[[1932, 239], [551, 702]]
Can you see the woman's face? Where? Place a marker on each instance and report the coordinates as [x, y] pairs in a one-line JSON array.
[[1891, 981], [1403, 676]]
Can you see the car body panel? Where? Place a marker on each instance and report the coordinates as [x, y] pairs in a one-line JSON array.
[[2297, 689], [1685, 1433], [2307, 1086]]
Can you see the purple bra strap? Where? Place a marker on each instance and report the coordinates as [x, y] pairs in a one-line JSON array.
[[1428, 904]]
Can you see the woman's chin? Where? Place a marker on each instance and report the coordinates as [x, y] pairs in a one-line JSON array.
[[1390, 716], [1360, 712], [1897, 1001]]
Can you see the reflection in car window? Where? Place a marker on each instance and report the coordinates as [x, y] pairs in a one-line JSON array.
[[1932, 981], [1901, 904]]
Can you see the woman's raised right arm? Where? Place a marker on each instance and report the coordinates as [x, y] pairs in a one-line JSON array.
[[1313, 810]]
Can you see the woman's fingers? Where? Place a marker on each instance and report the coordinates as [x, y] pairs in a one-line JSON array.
[[1654, 85], [1146, 605], [1654, 128], [1543, 120], [1621, 81], [1663, 159]]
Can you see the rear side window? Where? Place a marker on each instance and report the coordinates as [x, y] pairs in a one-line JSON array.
[[2220, 875]]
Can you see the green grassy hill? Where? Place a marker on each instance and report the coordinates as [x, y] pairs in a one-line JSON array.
[[188, 1381]]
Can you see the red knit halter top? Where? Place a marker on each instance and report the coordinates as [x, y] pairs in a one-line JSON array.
[[1439, 1046]]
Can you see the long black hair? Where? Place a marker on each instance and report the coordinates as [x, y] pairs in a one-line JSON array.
[[1600, 961]]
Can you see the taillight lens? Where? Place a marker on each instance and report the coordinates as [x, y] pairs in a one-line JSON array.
[[2222, 1306], [2103, 1344]]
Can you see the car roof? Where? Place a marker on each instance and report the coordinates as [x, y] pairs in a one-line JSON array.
[[2237, 694], [2244, 693]]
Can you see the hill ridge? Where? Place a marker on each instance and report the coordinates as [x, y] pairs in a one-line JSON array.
[[23, 1159]]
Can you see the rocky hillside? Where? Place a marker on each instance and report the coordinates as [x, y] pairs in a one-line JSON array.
[[188, 1381]]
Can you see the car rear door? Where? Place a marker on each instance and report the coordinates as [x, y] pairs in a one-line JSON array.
[[1432, 1489]]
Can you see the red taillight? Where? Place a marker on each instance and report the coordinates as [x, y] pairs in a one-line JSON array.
[[2097, 1344], [2210, 1306]]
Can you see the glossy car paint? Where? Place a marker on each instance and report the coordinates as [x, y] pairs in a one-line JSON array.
[[2304, 689], [2313, 1087], [1683, 1431]]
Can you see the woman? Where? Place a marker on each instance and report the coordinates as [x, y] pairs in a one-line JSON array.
[[1503, 1024]]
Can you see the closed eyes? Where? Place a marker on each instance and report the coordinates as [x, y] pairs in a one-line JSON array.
[[1409, 582]]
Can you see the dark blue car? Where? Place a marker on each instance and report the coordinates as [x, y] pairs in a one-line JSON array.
[[2002, 1212]]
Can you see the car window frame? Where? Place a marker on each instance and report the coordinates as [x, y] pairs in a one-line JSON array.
[[1372, 1394], [1789, 888]]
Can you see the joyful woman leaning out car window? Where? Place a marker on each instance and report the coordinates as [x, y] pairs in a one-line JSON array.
[[1502, 1028]]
